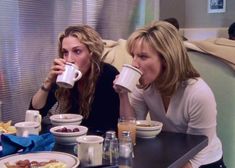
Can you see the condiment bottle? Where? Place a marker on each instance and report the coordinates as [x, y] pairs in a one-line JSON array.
[[111, 148], [125, 150]]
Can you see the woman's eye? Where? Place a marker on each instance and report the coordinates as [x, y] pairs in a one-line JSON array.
[[65, 53], [77, 51], [143, 57]]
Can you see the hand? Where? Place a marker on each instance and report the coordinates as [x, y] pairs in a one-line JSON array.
[[119, 89], [187, 165], [56, 69]]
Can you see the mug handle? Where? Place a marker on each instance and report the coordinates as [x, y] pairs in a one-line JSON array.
[[38, 118], [78, 75]]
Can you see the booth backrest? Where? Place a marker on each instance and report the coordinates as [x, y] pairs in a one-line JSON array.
[[116, 54], [193, 34], [221, 78]]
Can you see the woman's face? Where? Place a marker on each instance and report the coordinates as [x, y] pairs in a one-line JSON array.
[[148, 61], [77, 53]]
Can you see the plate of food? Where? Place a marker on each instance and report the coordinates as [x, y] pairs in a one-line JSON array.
[[40, 160], [7, 128]]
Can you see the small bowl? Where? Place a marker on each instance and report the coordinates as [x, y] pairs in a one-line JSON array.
[[66, 119], [68, 138], [148, 129]]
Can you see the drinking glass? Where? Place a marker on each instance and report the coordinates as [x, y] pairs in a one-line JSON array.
[[127, 124]]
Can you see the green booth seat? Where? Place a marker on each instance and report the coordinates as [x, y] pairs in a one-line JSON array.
[[221, 78]]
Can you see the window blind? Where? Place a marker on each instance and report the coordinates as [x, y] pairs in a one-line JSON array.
[[28, 39]]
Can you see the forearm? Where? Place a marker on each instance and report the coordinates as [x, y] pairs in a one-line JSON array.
[[126, 109], [40, 98]]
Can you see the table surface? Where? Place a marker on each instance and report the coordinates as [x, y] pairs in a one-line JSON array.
[[167, 150]]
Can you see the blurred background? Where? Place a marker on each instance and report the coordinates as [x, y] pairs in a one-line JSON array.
[[28, 39]]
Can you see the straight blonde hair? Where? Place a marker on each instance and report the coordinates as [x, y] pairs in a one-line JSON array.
[[165, 39]]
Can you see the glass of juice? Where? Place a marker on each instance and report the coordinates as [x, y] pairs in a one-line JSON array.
[[127, 124]]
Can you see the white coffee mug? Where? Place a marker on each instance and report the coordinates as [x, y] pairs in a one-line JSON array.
[[128, 77], [33, 115], [69, 76], [89, 149], [27, 127]]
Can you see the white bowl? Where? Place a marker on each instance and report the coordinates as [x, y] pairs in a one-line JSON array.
[[66, 119], [148, 129], [68, 138]]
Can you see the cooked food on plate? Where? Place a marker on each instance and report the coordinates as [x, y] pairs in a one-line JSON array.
[[34, 164], [144, 125], [7, 128], [65, 129]]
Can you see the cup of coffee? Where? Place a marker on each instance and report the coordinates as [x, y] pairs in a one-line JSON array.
[[128, 77], [69, 76], [33, 115], [27, 127], [89, 149]]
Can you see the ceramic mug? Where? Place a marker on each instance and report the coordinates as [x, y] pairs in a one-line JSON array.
[[33, 115], [128, 77], [89, 149], [27, 127], [69, 76]]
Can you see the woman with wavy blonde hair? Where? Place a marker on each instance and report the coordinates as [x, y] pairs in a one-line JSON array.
[[171, 90], [93, 95]]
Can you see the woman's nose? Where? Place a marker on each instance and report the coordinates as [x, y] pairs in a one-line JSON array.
[[135, 63], [70, 58]]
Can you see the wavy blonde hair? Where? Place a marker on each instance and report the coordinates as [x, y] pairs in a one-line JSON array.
[[165, 39], [68, 98]]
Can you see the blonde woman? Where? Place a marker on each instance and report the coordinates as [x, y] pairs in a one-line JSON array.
[[93, 95], [171, 90]]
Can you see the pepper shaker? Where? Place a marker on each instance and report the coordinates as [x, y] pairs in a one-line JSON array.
[[111, 147]]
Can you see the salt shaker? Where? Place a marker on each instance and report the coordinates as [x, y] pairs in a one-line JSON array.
[[110, 148], [125, 150]]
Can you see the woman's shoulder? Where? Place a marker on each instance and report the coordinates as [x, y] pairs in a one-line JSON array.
[[108, 69], [107, 73], [197, 84], [198, 88]]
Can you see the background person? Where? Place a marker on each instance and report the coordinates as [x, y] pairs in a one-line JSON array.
[[231, 31], [93, 95], [175, 23], [171, 90]]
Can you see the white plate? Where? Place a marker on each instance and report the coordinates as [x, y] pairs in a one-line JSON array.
[[68, 159]]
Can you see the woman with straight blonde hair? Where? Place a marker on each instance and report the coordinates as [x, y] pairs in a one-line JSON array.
[[171, 90], [93, 95]]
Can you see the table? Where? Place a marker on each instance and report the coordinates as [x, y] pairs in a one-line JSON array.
[[167, 150]]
